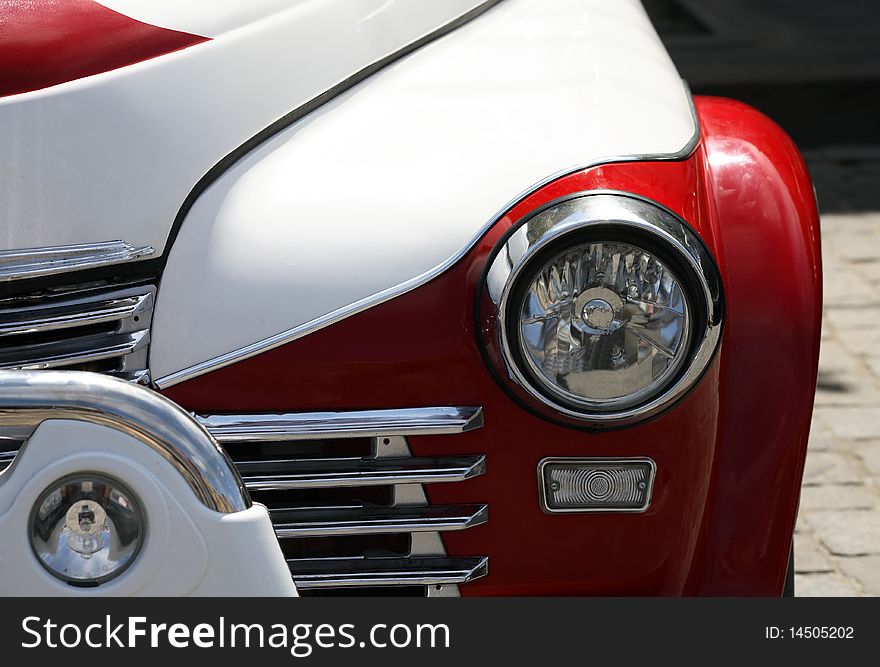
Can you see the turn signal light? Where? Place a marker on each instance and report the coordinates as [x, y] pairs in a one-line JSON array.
[[595, 485]]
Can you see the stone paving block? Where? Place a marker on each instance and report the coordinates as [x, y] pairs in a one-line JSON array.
[[865, 570], [821, 439], [828, 331], [808, 555], [869, 453], [870, 271], [838, 497], [846, 286], [863, 343], [852, 423], [834, 356], [847, 532], [854, 241], [834, 224], [866, 316], [845, 238], [832, 468], [825, 585], [874, 365]]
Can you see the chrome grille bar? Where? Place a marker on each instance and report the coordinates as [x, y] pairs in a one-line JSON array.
[[37, 262], [346, 497], [38, 319], [69, 351], [361, 572], [80, 327], [315, 474], [362, 423], [376, 520], [6, 459]]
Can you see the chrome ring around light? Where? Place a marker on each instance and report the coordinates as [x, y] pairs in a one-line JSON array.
[[622, 216]]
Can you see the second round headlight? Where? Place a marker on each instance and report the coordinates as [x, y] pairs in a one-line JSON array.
[[87, 529]]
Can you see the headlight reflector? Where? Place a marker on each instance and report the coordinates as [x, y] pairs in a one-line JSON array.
[[603, 324], [87, 529]]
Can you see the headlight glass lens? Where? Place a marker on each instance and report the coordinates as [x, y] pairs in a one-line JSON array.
[[603, 325], [87, 529]]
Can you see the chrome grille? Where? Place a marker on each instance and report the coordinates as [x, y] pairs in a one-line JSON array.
[[346, 497], [6, 457], [278, 475], [105, 330]]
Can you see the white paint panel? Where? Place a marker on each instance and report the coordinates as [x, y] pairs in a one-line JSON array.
[[212, 18], [209, 18], [383, 188], [113, 156], [189, 549]]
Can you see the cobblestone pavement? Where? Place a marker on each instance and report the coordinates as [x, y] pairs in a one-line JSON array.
[[837, 539]]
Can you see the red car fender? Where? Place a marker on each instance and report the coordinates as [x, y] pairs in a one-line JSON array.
[[768, 241], [729, 454]]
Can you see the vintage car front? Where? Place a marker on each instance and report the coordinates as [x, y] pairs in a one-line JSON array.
[[403, 298]]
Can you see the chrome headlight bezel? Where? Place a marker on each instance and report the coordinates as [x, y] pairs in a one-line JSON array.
[[597, 216]]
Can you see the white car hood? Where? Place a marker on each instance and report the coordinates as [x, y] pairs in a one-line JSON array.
[[114, 155], [383, 188]]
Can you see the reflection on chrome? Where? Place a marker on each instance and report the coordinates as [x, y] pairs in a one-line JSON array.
[[48, 261], [27, 398]]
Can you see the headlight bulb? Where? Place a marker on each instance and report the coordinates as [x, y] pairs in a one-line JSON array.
[[85, 525]]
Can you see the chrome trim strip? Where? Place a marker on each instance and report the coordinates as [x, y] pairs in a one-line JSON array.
[[71, 351], [388, 294], [324, 522], [51, 260], [542, 491], [609, 209], [353, 572], [354, 424], [6, 459], [332, 473], [29, 398], [42, 318]]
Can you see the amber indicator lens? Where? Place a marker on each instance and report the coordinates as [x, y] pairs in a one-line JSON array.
[[596, 485]]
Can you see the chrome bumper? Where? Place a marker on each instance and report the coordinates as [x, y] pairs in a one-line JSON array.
[[204, 534]]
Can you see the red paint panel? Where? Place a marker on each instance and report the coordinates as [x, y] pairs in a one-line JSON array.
[[47, 42], [729, 456], [769, 236]]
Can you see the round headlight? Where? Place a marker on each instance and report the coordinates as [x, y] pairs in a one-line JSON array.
[[603, 307], [87, 529], [602, 325]]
